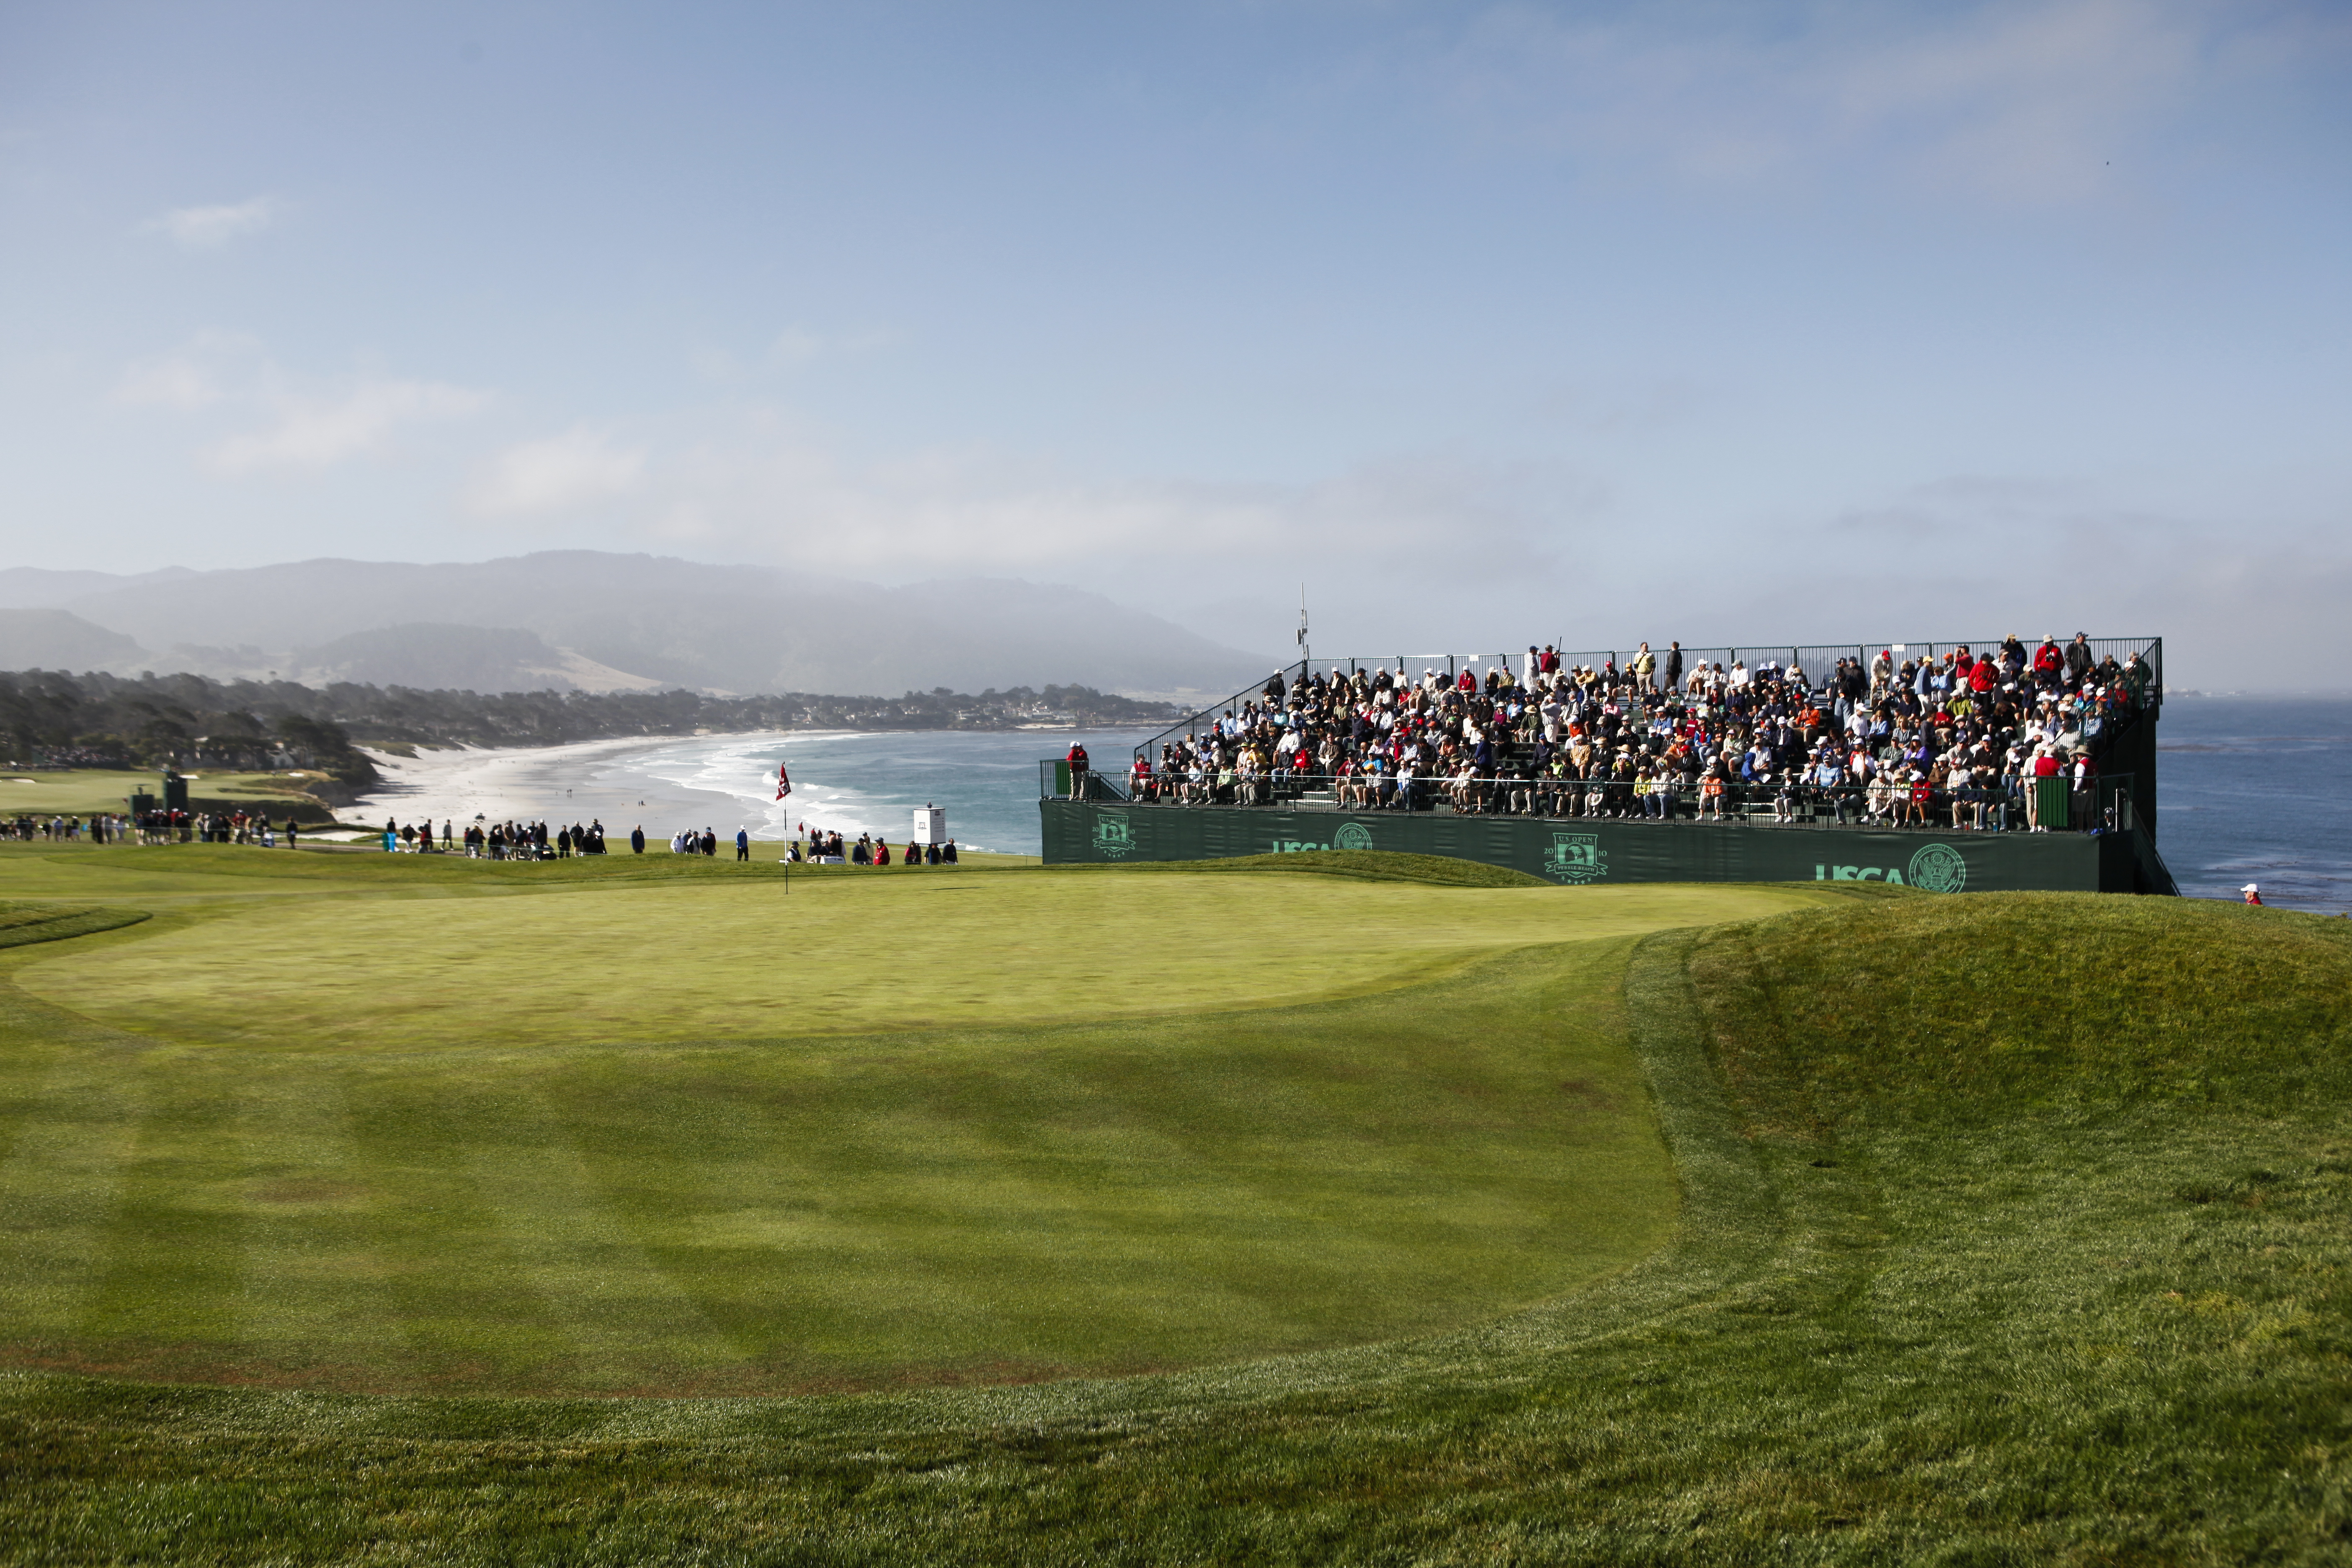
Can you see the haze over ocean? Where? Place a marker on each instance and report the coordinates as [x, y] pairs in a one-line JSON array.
[[2251, 789]]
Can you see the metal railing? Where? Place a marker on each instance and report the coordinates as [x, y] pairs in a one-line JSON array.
[[1056, 780], [2009, 804]]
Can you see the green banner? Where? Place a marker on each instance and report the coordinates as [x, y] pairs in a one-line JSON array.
[[1585, 851]]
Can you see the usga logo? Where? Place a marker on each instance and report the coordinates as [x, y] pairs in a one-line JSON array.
[[1112, 838], [1349, 835], [1937, 867], [1576, 858]]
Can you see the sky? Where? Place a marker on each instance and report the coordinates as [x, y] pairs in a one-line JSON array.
[[1478, 324]]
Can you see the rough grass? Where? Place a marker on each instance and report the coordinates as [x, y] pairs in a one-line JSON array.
[[22, 924], [2016, 1232]]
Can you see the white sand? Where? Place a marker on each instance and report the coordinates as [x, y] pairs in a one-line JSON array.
[[551, 784]]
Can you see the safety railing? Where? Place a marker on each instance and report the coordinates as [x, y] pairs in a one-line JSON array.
[[1059, 780], [2049, 804]]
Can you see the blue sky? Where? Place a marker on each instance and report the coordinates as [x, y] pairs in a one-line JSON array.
[[1488, 323]]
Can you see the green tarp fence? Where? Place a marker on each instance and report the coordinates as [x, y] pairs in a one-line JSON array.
[[1606, 850]]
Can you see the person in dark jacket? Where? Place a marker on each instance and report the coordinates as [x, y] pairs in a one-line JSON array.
[[638, 839], [2078, 659]]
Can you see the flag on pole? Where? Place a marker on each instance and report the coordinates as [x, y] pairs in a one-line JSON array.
[[783, 782]]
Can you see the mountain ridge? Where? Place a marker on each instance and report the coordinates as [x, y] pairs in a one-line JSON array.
[[601, 620]]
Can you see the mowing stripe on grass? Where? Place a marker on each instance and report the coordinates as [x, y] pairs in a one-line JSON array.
[[172, 1249], [60, 1186], [313, 1297], [617, 1321], [626, 1322]]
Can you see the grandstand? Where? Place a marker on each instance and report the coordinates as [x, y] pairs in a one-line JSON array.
[[1987, 765]]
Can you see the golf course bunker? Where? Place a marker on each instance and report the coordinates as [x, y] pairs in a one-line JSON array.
[[692, 1139]]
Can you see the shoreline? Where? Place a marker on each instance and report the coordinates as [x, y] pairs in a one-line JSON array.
[[850, 782], [517, 783]]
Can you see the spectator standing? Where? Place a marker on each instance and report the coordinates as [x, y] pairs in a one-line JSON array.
[[2049, 664], [742, 845], [638, 839], [2078, 659]]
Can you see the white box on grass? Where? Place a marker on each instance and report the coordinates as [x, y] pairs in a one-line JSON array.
[[930, 824]]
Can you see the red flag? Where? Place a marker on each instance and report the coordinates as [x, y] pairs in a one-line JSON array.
[[783, 782]]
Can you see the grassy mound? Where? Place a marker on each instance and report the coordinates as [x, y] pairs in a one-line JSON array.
[[22, 924], [2054, 1003]]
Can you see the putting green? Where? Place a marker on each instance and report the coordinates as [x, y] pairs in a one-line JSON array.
[[402, 1132], [741, 960]]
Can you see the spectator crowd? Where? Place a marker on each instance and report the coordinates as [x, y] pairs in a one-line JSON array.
[[99, 827], [2008, 736]]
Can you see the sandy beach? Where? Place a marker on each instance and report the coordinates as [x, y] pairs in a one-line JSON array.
[[847, 782]]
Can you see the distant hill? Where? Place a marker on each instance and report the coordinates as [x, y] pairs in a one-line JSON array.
[[36, 587], [600, 622], [438, 657], [57, 639]]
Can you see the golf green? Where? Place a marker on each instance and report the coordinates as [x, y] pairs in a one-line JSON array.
[[369, 1124]]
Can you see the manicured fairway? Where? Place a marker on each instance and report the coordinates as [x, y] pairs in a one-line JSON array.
[[2001, 1229], [415, 1125], [81, 791]]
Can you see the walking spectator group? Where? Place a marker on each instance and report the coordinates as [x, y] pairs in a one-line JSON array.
[[99, 827], [498, 840], [823, 847], [1971, 740]]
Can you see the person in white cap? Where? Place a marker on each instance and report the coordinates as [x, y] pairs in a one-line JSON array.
[[2253, 895]]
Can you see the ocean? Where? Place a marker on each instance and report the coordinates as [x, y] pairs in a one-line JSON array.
[[2250, 789], [2258, 789]]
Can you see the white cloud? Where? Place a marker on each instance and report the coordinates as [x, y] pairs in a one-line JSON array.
[[795, 348], [576, 468], [174, 380], [211, 227], [211, 367], [2024, 100], [317, 433], [771, 490]]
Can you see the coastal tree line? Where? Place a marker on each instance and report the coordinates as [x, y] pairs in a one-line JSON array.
[[52, 717]]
